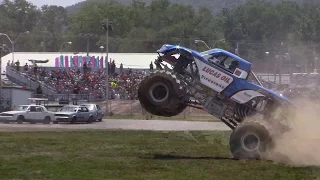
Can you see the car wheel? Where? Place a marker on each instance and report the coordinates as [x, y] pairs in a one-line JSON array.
[[73, 120], [90, 120], [47, 120], [99, 120], [20, 119]]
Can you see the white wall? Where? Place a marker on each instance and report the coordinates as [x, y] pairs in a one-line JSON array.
[[19, 96], [131, 60]]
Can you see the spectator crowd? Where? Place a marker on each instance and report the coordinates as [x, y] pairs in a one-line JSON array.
[[122, 84]]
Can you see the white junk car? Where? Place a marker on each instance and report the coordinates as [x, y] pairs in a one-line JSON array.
[[28, 113]]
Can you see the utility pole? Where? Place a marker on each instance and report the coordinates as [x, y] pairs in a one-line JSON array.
[[107, 65], [61, 46], [88, 35], [1, 49], [44, 44], [315, 60], [88, 45], [268, 66], [237, 49], [107, 25], [276, 69], [13, 41], [280, 72]]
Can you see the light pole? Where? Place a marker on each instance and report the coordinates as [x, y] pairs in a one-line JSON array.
[[268, 69], [276, 69], [88, 35], [1, 49], [101, 49], [107, 25], [237, 49], [13, 42], [63, 44], [201, 41], [215, 42], [280, 66], [220, 40], [43, 43]]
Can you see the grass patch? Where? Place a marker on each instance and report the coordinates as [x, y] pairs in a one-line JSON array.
[[132, 155], [179, 117]]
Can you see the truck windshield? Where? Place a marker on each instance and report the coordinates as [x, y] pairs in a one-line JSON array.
[[253, 78]]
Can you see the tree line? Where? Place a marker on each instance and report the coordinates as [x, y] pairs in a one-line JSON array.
[[255, 27]]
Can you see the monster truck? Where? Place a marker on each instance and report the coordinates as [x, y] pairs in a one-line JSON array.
[[222, 84]]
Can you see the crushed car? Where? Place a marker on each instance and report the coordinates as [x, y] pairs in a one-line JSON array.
[[28, 113], [96, 110], [73, 114]]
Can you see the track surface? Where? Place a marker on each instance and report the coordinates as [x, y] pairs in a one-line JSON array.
[[156, 125]]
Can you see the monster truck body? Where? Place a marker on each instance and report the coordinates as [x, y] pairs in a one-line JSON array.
[[219, 82]]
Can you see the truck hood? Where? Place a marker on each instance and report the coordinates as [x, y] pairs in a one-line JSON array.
[[279, 96]]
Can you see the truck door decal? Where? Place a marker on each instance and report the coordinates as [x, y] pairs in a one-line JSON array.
[[212, 77]]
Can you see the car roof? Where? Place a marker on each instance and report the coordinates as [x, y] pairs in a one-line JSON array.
[[32, 105], [72, 106]]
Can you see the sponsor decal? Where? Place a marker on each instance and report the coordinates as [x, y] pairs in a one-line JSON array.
[[248, 95], [217, 74], [212, 82], [215, 79], [237, 73]]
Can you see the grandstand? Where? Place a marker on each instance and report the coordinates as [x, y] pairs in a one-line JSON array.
[[129, 60], [60, 76]]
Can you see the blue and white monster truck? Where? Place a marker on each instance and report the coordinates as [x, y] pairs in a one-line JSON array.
[[222, 84]]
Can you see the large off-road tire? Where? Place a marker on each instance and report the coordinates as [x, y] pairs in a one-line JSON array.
[[250, 140], [161, 94]]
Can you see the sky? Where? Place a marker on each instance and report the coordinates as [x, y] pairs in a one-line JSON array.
[[63, 3]]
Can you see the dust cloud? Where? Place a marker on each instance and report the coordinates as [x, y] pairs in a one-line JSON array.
[[301, 145]]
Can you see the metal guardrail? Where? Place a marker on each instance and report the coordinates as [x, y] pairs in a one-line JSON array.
[[22, 79], [68, 98]]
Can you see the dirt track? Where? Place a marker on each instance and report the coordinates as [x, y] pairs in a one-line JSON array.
[[156, 125]]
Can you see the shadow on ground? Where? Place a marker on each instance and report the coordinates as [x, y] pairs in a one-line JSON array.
[[175, 157]]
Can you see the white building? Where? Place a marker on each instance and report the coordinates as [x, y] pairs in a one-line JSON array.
[[129, 60], [18, 95]]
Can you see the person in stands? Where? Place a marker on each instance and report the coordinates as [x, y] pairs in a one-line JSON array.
[[18, 65]]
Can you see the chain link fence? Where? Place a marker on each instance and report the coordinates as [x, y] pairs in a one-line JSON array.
[[120, 108]]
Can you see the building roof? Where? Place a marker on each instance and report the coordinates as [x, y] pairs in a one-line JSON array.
[[129, 60]]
